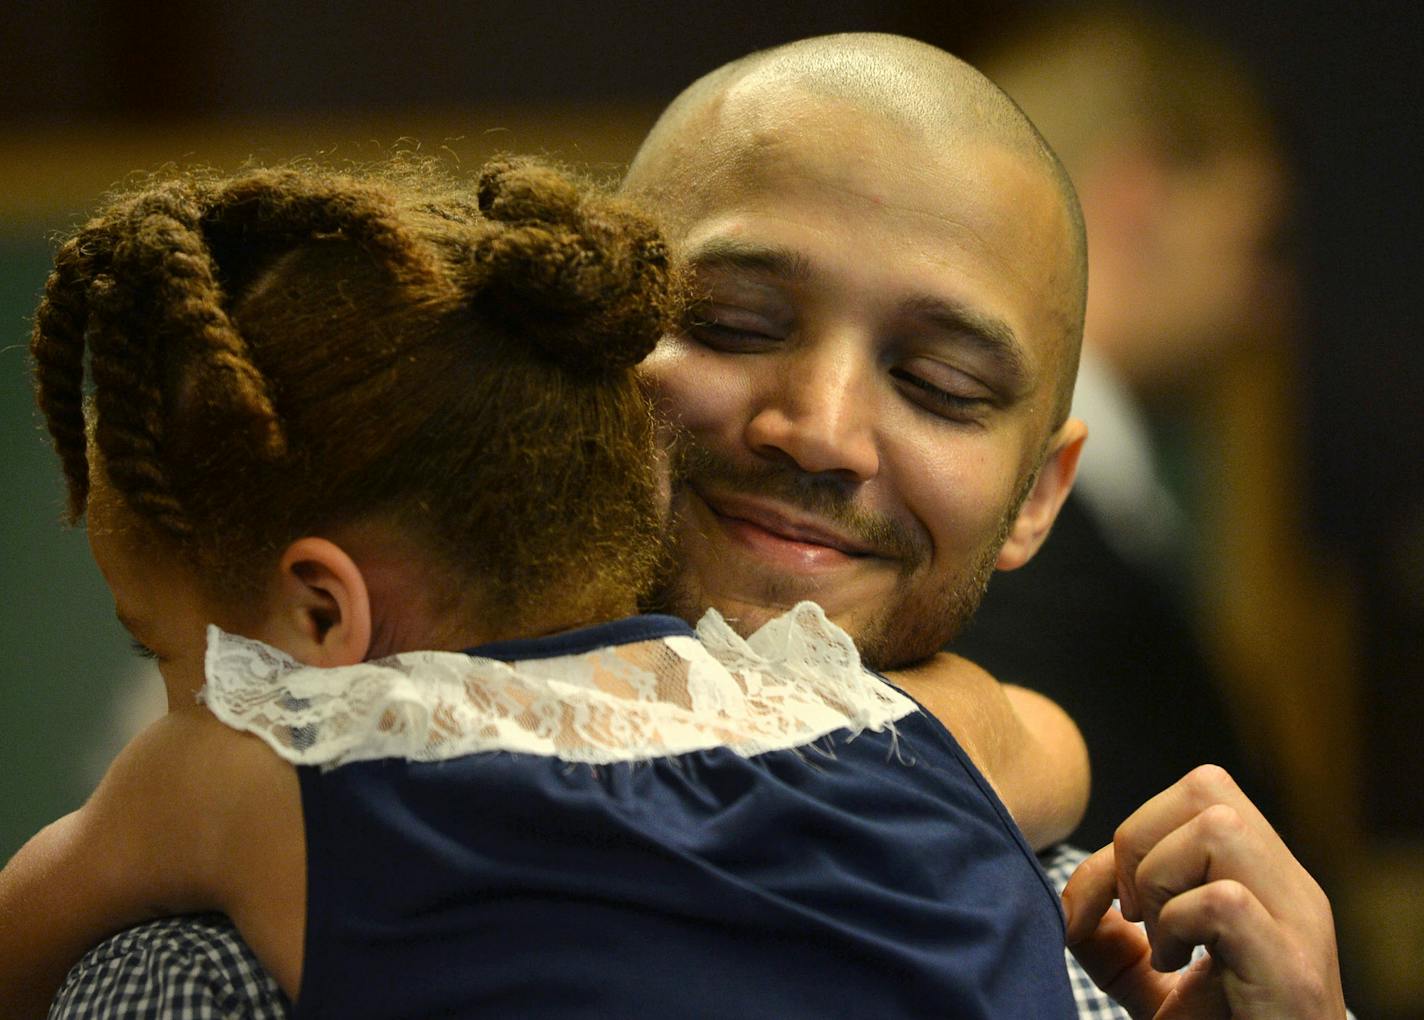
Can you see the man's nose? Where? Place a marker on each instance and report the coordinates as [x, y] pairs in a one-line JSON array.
[[819, 413]]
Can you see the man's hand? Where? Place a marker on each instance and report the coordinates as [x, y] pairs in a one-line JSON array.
[[1199, 865]]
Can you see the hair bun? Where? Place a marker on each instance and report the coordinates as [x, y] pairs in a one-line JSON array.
[[577, 273]]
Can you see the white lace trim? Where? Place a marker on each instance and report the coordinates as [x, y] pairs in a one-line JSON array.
[[796, 679]]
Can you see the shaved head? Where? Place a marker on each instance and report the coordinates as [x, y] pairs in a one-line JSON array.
[[709, 137], [874, 376]]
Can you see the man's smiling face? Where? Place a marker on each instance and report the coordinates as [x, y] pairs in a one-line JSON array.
[[867, 381]]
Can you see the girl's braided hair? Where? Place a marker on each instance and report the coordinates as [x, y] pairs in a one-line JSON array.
[[288, 350]]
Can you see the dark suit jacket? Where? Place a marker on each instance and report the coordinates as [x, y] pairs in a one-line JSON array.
[[1111, 643]]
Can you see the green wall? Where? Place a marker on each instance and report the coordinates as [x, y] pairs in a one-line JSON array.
[[61, 650]]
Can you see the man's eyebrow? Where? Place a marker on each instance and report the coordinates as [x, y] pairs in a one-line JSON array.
[[771, 260], [990, 334]]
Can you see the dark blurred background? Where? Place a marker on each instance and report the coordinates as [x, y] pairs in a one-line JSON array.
[[92, 91]]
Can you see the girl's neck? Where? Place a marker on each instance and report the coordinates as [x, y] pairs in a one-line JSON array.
[[417, 605]]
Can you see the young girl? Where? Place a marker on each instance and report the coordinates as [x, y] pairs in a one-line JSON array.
[[365, 422]]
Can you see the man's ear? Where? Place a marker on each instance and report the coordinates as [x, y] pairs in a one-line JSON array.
[[322, 610], [1045, 499]]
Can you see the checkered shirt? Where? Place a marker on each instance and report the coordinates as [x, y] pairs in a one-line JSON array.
[[1092, 1002], [180, 968]]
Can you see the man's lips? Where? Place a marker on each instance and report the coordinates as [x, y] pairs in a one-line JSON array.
[[772, 531]]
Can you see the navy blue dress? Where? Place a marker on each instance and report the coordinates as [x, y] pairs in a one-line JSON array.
[[863, 874]]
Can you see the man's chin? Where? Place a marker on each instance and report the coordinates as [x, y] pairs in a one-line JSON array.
[[746, 611], [746, 617], [689, 601], [894, 624]]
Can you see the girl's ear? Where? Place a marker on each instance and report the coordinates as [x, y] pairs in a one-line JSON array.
[[321, 614], [1046, 497]]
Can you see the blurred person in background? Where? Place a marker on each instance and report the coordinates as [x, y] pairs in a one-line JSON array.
[[1185, 198]]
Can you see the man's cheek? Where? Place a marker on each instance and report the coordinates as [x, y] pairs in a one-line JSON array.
[[706, 392]]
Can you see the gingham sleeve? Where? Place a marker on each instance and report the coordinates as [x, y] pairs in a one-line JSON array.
[[1093, 1003], [179, 968]]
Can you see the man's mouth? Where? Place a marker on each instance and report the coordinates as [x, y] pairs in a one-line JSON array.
[[785, 537]]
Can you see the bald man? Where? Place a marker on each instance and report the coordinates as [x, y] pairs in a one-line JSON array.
[[875, 379], [876, 373], [874, 383]]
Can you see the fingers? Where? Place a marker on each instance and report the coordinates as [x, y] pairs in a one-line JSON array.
[[1122, 961], [1200, 865], [1089, 893], [1229, 920], [1216, 845], [1203, 828], [1116, 955], [1268, 968]]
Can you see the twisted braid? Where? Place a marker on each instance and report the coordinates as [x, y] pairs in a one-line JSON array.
[[574, 271], [57, 350], [280, 208], [172, 299], [129, 401], [144, 287]]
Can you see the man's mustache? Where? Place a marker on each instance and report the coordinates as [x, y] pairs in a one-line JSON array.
[[820, 495]]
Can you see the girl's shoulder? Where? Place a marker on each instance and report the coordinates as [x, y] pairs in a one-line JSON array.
[[182, 804], [190, 817]]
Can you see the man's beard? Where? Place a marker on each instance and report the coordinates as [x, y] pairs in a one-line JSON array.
[[912, 623]]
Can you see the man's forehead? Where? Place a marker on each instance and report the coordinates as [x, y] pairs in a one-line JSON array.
[[898, 190], [778, 137], [754, 118]]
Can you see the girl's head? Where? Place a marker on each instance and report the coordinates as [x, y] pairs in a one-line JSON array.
[[437, 383]]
